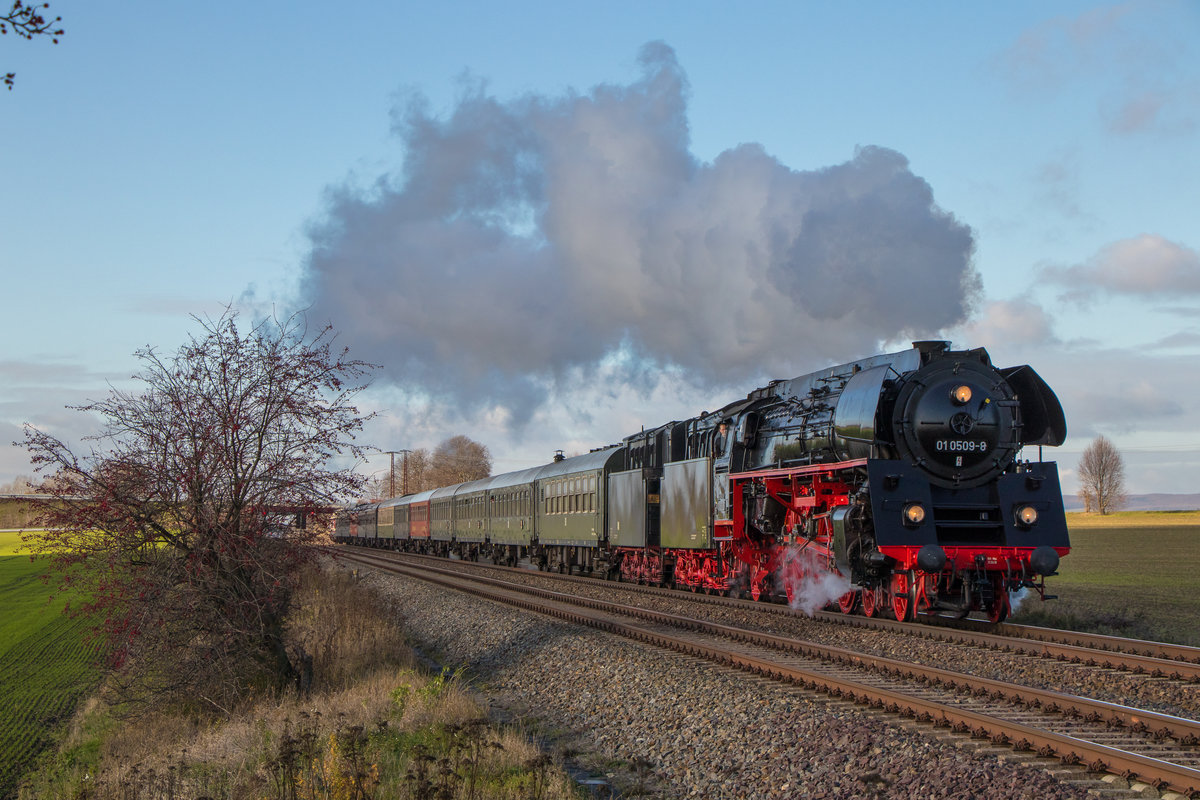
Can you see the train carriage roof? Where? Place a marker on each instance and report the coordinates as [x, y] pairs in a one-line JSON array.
[[589, 462], [409, 499], [470, 487], [510, 479], [396, 501], [444, 492]]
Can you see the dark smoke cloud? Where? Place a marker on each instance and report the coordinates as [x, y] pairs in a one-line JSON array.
[[529, 239]]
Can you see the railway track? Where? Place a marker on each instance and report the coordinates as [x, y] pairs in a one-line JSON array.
[[1153, 659], [1156, 749]]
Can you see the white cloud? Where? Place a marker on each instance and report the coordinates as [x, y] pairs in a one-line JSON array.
[[529, 239], [1147, 265], [1139, 51], [1009, 323]]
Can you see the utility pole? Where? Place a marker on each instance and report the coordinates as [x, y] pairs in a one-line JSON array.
[[392, 472]]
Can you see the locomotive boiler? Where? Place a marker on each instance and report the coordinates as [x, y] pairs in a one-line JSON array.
[[899, 480]]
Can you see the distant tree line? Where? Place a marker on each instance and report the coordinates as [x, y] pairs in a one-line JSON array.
[[22, 484]]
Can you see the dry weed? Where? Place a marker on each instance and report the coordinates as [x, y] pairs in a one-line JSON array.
[[370, 727]]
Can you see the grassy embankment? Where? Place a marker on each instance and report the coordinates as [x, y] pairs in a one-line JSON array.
[[375, 726], [1132, 573], [45, 662]]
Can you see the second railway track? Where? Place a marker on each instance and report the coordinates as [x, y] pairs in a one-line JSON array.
[[1156, 748], [1152, 659]]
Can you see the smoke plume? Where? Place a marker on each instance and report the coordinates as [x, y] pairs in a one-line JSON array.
[[530, 239]]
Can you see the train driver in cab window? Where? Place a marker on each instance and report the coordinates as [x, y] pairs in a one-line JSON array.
[[720, 442]]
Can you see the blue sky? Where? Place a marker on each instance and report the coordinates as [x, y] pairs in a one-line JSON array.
[[166, 159]]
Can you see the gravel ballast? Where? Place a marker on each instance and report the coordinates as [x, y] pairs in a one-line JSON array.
[[669, 726]]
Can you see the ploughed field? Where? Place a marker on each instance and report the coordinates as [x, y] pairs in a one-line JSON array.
[[45, 662], [1130, 574]]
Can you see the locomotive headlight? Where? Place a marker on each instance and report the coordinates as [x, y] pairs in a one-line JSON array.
[[914, 514], [1026, 516], [961, 394]]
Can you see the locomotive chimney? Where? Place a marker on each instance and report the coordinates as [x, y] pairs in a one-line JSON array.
[[931, 349]]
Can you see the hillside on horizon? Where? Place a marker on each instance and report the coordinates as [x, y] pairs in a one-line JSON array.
[[1145, 502]]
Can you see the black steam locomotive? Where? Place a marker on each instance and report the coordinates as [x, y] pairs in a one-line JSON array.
[[894, 483]]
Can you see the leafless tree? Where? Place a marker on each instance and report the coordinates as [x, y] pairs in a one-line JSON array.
[[1102, 477], [457, 460], [179, 519], [28, 21], [22, 484], [418, 471]]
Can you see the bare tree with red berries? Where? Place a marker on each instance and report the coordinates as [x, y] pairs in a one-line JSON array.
[[179, 522]]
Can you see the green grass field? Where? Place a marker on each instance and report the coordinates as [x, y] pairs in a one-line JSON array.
[[45, 663], [1131, 574]]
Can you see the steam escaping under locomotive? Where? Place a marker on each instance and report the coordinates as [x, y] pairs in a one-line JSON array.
[[897, 479]]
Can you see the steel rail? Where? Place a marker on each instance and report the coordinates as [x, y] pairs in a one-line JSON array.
[[1096, 641], [1046, 646], [1156, 659], [1098, 757], [1185, 731]]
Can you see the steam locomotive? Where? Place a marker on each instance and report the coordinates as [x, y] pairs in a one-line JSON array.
[[897, 480]]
